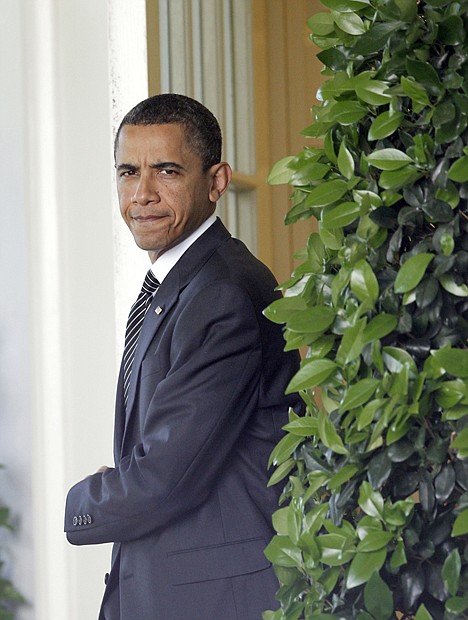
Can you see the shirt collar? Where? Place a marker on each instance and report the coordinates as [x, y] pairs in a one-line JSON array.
[[162, 266]]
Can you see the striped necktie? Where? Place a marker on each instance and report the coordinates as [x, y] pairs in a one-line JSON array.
[[134, 324]]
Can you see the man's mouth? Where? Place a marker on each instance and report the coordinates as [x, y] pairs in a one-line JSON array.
[[148, 218]]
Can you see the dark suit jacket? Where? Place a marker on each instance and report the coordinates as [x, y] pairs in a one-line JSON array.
[[187, 503]]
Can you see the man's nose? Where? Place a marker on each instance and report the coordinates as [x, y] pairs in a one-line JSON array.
[[146, 190]]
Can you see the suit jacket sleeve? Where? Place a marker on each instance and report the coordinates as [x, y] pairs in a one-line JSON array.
[[197, 412]]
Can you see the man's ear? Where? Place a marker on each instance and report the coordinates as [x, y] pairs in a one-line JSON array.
[[220, 178]]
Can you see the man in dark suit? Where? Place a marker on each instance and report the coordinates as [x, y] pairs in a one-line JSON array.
[[200, 399]]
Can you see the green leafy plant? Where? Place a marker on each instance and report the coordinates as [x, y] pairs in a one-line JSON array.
[[10, 598], [373, 521]]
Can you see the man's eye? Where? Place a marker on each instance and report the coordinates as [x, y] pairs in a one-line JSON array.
[[127, 173], [168, 172]]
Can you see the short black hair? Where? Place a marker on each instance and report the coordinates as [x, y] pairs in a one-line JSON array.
[[201, 127]]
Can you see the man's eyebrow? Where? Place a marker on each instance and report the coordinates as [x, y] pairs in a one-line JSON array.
[[166, 164], [125, 167], [159, 166]]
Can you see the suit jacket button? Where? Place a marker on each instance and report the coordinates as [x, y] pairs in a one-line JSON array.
[[85, 520], [106, 578], [80, 520], [75, 521], [90, 519]]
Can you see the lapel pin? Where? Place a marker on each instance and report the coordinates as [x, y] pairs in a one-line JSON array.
[[158, 310]]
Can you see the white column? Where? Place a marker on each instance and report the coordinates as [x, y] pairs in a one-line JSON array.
[[15, 311], [69, 272], [75, 258], [128, 85]]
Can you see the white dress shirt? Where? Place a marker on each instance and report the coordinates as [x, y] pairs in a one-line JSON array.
[[164, 263]]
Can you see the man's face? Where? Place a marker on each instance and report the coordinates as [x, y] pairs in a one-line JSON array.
[[164, 194]]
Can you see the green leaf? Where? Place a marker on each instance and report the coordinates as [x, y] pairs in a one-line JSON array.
[[450, 393], [311, 320], [303, 427], [458, 171], [456, 605], [453, 361], [398, 179], [350, 23], [321, 23], [280, 310], [280, 172], [412, 272], [342, 476], [425, 74], [461, 443], [329, 435], [311, 374], [452, 30], [363, 565], [375, 38], [294, 520], [283, 552], [327, 193], [335, 549], [416, 93], [279, 520], [321, 347], [448, 283], [408, 9], [396, 359], [315, 518], [423, 614], [373, 92], [389, 159], [283, 449], [366, 415], [444, 112], [364, 283], [344, 6], [316, 252], [281, 471], [341, 216], [367, 525], [398, 556], [378, 598], [358, 394], [370, 501], [345, 161], [451, 571], [367, 199], [374, 541], [352, 343], [311, 171], [455, 413], [385, 124], [347, 112], [332, 238], [460, 527], [379, 327], [448, 245]]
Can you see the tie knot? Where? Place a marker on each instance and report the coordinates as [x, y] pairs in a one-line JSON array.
[[150, 284]]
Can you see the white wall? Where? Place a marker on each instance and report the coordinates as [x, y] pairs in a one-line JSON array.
[[15, 392], [67, 273]]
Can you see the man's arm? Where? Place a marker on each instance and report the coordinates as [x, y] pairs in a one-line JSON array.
[[198, 411]]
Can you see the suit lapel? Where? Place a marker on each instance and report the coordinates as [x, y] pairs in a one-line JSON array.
[[165, 297], [164, 300]]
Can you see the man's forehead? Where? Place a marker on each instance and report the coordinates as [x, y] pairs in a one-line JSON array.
[[139, 138], [156, 143]]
